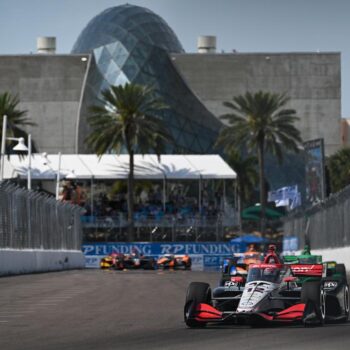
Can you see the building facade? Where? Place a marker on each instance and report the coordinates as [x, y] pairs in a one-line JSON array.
[[132, 44]]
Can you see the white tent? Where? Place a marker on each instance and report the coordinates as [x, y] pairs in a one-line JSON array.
[[110, 166]]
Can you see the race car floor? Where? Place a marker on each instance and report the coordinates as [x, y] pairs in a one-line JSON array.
[[94, 309]]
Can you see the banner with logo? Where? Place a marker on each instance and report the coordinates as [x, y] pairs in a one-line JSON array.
[[315, 171], [204, 255]]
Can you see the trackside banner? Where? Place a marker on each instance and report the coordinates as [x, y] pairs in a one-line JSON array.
[[203, 254]]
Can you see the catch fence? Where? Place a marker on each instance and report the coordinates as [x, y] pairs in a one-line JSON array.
[[33, 220], [325, 225], [170, 228]]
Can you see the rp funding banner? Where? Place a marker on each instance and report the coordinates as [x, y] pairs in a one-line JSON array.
[[204, 254]]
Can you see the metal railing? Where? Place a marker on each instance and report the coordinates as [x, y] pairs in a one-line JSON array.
[[325, 225], [32, 220]]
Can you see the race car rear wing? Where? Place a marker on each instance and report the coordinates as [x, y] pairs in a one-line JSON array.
[[307, 270]]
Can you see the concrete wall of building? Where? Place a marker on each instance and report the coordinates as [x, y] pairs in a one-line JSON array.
[[311, 80], [50, 88]]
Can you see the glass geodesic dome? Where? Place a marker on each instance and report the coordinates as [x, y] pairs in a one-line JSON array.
[[132, 44]]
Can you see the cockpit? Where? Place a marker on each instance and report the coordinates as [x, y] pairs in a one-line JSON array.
[[271, 274]]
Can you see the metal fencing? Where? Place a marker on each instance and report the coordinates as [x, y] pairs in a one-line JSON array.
[[325, 225], [32, 220], [166, 228]]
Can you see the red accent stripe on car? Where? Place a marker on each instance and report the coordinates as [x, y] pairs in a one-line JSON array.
[[293, 313], [205, 311], [307, 269]]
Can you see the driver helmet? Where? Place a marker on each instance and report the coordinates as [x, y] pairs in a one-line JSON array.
[[269, 271]]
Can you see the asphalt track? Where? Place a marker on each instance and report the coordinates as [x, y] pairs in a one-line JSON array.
[[93, 309]]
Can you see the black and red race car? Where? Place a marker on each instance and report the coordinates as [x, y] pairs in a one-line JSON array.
[[134, 260], [271, 294]]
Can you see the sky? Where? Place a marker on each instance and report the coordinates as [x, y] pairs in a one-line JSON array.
[[241, 25]]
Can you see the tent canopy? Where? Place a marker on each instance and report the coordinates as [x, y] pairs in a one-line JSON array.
[[111, 166], [254, 212], [249, 238]]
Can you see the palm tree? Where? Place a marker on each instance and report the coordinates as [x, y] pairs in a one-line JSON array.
[[259, 122], [247, 176], [128, 118], [16, 118]]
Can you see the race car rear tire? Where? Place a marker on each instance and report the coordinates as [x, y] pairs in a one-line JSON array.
[[314, 298], [197, 292]]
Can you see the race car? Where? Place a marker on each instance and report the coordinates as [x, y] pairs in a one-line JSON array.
[[175, 261], [238, 264], [303, 262], [109, 261], [128, 261], [304, 258], [270, 295], [135, 261]]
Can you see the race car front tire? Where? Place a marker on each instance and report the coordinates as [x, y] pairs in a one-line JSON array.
[[197, 292], [314, 298], [346, 305]]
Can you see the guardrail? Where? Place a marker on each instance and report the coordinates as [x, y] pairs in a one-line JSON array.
[[33, 220]]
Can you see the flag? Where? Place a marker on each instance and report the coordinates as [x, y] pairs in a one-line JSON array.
[[288, 196]]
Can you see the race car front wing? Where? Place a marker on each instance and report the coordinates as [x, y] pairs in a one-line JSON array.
[[207, 313]]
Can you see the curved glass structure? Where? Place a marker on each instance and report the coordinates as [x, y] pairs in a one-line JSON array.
[[132, 44]]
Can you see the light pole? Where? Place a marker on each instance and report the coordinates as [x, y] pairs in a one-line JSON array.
[[19, 147], [58, 177]]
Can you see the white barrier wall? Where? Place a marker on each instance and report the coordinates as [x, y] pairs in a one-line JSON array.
[[340, 255], [13, 262]]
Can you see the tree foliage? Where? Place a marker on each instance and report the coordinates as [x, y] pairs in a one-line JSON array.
[[16, 118], [128, 118], [247, 174], [260, 123], [339, 169]]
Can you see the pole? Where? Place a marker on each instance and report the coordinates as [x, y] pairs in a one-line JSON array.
[[3, 140], [200, 195], [92, 196], [29, 182], [164, 194], [224, 190], [58, 176]]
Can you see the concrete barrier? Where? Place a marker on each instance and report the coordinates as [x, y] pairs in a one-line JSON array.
[[340, 255], [13, 262]]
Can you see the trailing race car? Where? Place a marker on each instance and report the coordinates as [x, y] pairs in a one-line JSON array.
[[271, 294], [302, 263], [128, 261], [304, 258], [175, 261], [238, 265], [109, 261]]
